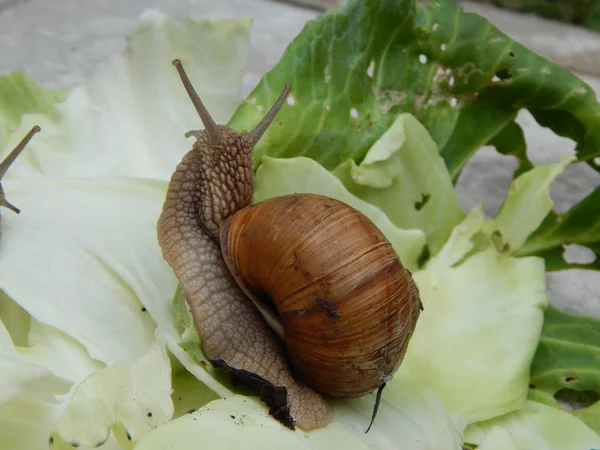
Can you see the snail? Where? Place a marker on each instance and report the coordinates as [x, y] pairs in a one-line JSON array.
[[8, 161], [341, 305]]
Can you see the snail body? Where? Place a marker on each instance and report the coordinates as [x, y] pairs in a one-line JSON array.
[[346, 305]]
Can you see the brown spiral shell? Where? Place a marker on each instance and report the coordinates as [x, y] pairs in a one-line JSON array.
[[346, 304]]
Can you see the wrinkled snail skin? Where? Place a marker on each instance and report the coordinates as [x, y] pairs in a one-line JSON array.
[[214, 180], [347, 305]]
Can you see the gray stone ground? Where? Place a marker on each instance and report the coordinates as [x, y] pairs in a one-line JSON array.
[[60, 42]]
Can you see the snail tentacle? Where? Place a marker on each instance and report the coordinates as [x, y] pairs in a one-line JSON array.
[[9, 160], [209, 124], [260, 129]]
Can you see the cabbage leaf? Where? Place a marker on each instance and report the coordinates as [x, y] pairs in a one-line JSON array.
[[356, 68], [108, 125], [414, 419], [29, 399], [404, 175], [370, 115], [565, 367], [480, 326], [537, 427]]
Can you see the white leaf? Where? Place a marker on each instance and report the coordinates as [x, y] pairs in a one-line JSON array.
[[29, 399], [242, 422], [131, 117], [58, 352], [135, 395], [537, 427], [91, 248]]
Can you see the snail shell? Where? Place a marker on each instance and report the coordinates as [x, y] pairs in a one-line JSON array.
[[346, 304]]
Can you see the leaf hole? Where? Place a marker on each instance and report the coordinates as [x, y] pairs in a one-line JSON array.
[[569, 379], [421, 203], [578, 254], [504, 74], [532, 386], [573, 399], [511, 54], [422, 58], [371, 69], [291, 100]]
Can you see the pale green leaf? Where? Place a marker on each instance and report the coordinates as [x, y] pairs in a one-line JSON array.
[[29, 399], [410, 416], [135, 395], [15, 318], [539, 427], [498, 439], [481, 323], [527, 204], [58, 352], [189, 394], [20, 95], [242, 422], [404, 175]]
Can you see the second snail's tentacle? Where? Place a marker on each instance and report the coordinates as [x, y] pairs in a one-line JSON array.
[[12, 156], [234, 335], [9, 160]]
